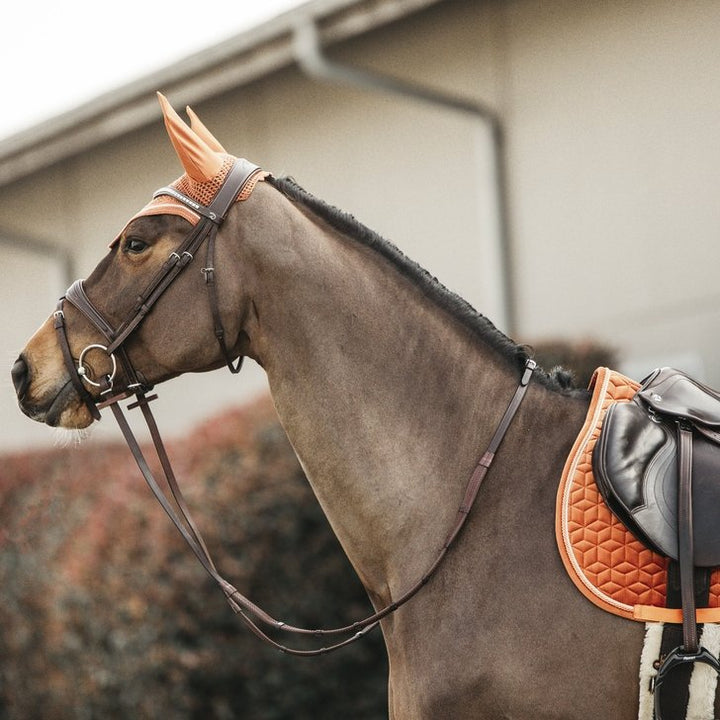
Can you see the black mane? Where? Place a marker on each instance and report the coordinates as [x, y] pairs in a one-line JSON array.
[[459, 308]]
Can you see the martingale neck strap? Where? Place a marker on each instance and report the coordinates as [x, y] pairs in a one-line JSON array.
[[245, 608]]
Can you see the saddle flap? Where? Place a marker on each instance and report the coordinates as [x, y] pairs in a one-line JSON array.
[[672, 392], [635, 466], [636, 473]]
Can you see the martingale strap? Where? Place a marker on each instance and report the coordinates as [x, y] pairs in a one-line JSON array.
[[238, 185], [244, 607]]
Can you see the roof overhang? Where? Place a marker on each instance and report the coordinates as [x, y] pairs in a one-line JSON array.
[[233, 63]]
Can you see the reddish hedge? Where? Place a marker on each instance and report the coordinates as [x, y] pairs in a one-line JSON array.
[[105, 612]]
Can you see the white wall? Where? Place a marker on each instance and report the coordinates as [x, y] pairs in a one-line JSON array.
[[611, 113], [30, 281], [417, 174]]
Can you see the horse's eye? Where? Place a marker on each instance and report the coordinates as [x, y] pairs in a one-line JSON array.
[[135, 245]]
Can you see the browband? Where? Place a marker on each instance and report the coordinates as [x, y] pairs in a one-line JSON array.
[[237, 186]]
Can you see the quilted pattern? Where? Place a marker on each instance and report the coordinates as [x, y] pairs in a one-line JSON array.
[[202, 192], [604, 560]]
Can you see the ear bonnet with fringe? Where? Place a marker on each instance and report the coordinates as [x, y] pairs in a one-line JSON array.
[[206, 165]]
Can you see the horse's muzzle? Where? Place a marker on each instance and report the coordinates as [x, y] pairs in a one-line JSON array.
[[57, 403], [21, 377]]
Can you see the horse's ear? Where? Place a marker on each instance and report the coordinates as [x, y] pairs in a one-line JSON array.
[[200, 161], [203, 132]]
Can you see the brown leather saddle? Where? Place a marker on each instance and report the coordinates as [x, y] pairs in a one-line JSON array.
[[637, 469], [657, 466]]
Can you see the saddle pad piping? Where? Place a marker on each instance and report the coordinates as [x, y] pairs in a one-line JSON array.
[[577, 482], [576, 455]]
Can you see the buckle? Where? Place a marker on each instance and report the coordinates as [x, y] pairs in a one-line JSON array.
[[530, 366]]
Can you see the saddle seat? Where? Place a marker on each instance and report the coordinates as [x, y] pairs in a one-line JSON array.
[[677, 395], [609, 564]]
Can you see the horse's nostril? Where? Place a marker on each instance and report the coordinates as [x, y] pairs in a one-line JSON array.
[[20, 376]]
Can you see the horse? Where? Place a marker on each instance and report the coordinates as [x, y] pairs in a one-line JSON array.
[[389, 387]]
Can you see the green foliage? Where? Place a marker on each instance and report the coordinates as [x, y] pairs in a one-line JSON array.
[[105, 613]]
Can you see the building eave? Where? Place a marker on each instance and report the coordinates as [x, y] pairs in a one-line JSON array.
[[233, 63]]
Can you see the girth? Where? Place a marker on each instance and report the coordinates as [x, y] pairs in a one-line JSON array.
[[211, 217]]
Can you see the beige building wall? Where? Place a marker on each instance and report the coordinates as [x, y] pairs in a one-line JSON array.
[[614, 115], [611, 117]]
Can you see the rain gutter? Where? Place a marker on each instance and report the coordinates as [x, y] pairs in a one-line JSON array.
[[312, 60], [228, 65]]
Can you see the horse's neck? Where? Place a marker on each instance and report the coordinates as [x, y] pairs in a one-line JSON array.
[[383, 394]]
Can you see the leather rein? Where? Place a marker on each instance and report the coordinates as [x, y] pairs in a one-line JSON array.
[[240, 177]]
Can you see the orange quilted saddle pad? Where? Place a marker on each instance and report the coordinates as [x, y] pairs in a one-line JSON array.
[[607, 564]]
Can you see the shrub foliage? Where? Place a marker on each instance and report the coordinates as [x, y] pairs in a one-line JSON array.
[[105, 612]]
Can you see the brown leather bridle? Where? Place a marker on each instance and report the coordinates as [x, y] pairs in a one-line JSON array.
[[241, 175], [211, 217]]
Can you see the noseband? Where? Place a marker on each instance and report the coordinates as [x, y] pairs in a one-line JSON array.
[[239, 179]]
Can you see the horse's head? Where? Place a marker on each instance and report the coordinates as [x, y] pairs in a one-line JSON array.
[[140, 318]]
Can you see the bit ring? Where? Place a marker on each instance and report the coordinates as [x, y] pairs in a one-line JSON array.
[[82, 372]]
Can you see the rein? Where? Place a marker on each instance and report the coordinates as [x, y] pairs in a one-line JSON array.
[[239, 179]]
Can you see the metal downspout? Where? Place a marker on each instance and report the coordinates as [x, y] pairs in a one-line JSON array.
[[310, 58]]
